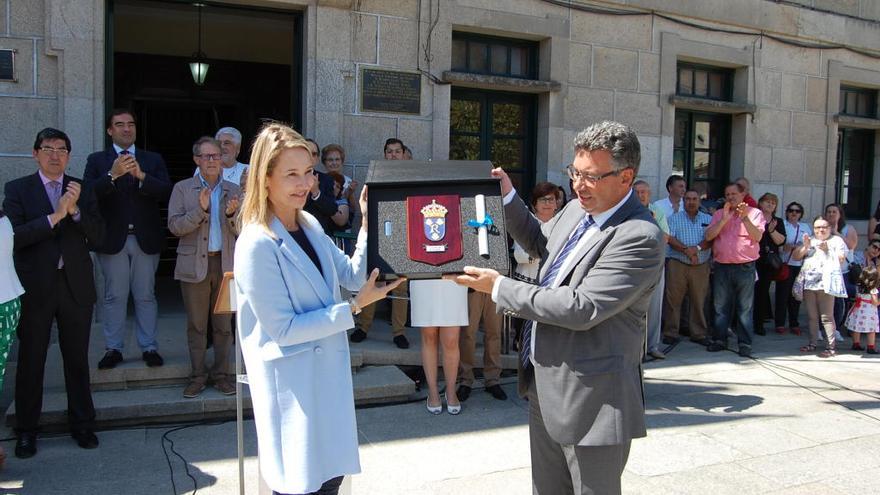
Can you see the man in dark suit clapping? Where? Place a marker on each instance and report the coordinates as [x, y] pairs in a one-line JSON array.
[[54, 219], [581, 353], [131, 184]]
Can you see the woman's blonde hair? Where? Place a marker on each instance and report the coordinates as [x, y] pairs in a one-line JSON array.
[[272, 140]]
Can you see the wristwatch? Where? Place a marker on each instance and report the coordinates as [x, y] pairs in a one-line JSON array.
[[355, 307]]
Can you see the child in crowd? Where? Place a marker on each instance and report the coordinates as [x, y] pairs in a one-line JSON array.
[[863, 317]]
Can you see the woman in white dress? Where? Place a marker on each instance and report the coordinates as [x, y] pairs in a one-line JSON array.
[[439, 307]]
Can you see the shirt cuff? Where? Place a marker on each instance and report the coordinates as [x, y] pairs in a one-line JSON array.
[[49, 218], [315, 198], [495, 288], [77, 217], [508, 198]]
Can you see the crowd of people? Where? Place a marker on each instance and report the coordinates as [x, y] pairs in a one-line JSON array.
[[281, 222], [723, 257]]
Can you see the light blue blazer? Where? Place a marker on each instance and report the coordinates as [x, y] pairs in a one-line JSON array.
[[291, 326]]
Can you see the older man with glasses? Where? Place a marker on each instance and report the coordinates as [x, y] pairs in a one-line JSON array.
[[201, 213], [54, 219]]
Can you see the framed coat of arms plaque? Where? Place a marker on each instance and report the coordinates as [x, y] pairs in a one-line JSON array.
[[429, 218]]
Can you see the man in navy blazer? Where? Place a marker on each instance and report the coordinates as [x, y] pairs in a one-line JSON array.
[[131, 184], [54, 219]]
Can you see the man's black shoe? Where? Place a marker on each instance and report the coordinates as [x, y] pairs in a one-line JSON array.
[[153, 359], [716, 346], [463, 392], [760, 330], [110, 360], [26, 445], [358, 335], [745, 351], [401, 342], [669, 340], [496, 392], [86, 439], [703, 342]]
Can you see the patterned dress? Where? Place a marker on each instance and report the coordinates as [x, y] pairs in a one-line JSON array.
[[9, 313], [10, 290], [863, 315]]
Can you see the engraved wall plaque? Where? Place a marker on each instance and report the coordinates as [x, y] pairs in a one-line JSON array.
[[7, 65], [390, 91]]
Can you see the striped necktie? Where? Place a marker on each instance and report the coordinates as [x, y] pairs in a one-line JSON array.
[[547, 280]]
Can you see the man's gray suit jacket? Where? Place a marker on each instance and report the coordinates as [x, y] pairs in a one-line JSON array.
[[590, 331]]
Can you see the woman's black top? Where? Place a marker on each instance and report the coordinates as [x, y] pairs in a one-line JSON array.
[[767, 243], [769, 246], [300, 237]]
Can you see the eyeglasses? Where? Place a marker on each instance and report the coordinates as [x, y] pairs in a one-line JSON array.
[[817, 227], [547, 199], [794, 210], [575, 174], [49, 150], [212, 157], [875, 246]]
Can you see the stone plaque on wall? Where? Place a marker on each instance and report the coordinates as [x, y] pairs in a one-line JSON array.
[[390, 91], [7, 65]]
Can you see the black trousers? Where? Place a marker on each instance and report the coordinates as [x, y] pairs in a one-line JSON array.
[[74, 326], [330, 487], [761, 304], [785, 302]]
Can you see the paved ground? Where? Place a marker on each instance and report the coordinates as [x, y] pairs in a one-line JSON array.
[[781, 423]]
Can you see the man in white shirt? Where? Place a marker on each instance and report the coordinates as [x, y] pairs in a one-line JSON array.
[[674, 203]]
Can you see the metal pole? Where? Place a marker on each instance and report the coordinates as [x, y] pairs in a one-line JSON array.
[[239, 416], [506, 327]]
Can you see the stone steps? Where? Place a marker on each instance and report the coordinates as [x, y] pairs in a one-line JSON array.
[[133, 393], [166, 404]]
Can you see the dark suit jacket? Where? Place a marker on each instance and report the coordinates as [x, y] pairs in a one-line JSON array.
[[590, 332], [325, 206], [116, 200], [37, 246]]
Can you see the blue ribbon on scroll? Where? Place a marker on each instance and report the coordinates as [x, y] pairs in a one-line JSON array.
[[487, 222]]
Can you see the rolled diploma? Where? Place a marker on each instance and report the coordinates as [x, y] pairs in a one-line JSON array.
[[482, 231]]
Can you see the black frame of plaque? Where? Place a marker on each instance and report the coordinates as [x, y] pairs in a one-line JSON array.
[[390, 182], [7, 62], [375, 106]]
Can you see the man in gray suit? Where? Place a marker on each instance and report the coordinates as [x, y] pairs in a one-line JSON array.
[[580, 366]]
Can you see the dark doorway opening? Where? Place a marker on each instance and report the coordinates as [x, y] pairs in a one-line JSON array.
[[254, 75]]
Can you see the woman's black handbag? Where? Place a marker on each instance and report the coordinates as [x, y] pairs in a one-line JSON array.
[[773, 262]]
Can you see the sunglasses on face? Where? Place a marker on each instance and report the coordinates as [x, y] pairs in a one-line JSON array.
[[792, 210]]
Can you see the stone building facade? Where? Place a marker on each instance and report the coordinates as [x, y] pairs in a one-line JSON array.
[[715, 88]]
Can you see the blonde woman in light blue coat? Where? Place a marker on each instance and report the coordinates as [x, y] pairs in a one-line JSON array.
[[292, 321]]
